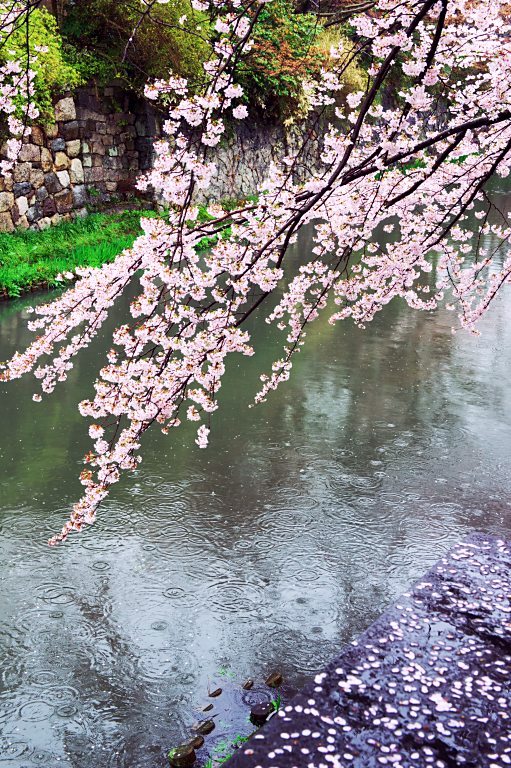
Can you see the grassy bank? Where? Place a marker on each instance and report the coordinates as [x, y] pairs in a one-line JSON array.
[[30, 260]]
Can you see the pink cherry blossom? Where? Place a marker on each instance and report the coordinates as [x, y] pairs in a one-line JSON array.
[[415, 166], [240, 112]]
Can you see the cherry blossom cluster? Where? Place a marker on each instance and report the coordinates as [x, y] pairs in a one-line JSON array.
[[16, 86], [389, 198]]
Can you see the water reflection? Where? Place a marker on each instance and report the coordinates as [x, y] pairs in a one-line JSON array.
[[303, 520]]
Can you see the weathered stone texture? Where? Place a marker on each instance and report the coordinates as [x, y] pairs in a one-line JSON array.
[[65, 109], [22, 223], [64, 178], [44, 223], [6, 201], [46, 160], [37, 135], [71, 131], [73, 148], [21, 172], [37, 178], [61, 161], [6, 223], [90, 144], [94, 174], [34, 213], [58, 145], [30, 153], [80, 196], [49, 207], [22, 188], [52, 183], [52, 131], [76, 172], [22, 205], [64, 201]]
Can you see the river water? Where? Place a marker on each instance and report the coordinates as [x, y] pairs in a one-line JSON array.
[[282, 541]]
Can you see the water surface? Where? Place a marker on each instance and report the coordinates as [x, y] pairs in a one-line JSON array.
[[301, 522]]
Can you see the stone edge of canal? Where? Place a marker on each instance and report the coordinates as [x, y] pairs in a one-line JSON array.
[[428, 683]]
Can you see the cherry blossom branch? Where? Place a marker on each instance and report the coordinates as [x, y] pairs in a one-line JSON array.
[[404, 169]]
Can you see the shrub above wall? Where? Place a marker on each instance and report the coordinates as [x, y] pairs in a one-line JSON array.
[[45, 54]]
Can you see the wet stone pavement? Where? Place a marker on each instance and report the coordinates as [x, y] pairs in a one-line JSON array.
[[428, 684]]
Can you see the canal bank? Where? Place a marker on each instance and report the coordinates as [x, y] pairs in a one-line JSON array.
[[427, 684]]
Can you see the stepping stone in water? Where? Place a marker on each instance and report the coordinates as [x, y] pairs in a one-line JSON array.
[[197, 741], [205, 727], [182, 756], [274, 680], [260, 713]]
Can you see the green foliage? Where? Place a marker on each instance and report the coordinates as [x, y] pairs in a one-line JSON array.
[[32, 259], [288, 48], [100, 31], [91, 65], [222, 671], [224, 750], [94, 45], [283, 54], [354, 78], [208, 242], [277, 702], [45, 56]]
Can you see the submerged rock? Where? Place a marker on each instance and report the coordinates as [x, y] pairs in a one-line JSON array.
[[197, 741]]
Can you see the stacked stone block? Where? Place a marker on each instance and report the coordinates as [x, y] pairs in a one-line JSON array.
[[92, 153], [107, 126]]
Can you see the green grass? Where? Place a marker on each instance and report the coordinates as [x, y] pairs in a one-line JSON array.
[[277, 702], [224, 750], [31, 259]]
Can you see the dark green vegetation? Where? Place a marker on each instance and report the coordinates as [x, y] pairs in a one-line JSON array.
[[285, 51], [97, 41], [31, 259], [45, 54], [173, 36], [288, 46], [170, 37]]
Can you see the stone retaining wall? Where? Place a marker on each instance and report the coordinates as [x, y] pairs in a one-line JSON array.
[[247, 150], [91, 155], [100, 143]]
